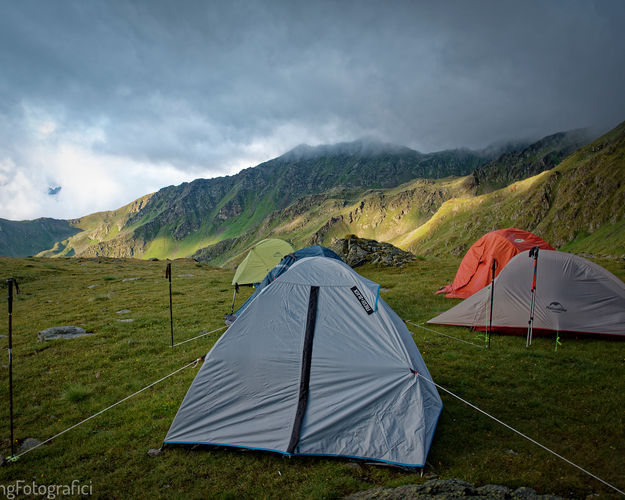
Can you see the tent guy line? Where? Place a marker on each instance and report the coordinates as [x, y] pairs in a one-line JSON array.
[[202, 335], [192, 363], [521, 434], [445, 335]]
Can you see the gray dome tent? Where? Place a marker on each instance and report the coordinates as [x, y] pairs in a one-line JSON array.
[[317, 364], [573, 295]]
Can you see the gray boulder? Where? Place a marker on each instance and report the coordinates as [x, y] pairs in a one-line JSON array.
[[357, 251], [61, 332]]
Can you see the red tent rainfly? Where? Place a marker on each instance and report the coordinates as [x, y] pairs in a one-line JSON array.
[[475, 272]]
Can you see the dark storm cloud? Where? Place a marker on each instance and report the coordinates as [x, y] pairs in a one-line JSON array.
[[199, 84], [172, 78]]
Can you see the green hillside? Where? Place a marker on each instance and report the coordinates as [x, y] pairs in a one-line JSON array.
[[95, 232], [381, 214], [23, 238], [520, 164], [577, 206]]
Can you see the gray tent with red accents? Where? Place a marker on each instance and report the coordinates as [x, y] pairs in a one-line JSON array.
[[573, 295], [317, 364]]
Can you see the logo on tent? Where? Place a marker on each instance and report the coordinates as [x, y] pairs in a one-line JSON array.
[[363, 302], [556, 307], [519, 240]]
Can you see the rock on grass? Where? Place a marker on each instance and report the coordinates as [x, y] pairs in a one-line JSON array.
[[61, 332], [358, 251], [440, 489]]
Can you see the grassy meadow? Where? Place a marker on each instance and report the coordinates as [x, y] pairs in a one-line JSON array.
[[572, 400]]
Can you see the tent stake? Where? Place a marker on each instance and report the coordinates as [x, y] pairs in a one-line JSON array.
[[171, 311], [534, 255], [11, 282], [492, 297]]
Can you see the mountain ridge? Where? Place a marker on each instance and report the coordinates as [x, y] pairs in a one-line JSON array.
[[179, 220], [312, 194]]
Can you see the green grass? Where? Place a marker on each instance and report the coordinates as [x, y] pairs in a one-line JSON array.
[[77, 392], [570, 400], [608, 239]]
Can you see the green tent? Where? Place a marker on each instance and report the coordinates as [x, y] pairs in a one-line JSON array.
[[261, 259]]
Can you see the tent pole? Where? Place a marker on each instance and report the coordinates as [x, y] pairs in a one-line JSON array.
[[171, 309], [492, 298], [534, 255], [236, 289], [11, 282]]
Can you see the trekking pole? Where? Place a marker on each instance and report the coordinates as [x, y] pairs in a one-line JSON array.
[[236, 289], [171, 311], [533, 255], [492, 297], [11, 282]]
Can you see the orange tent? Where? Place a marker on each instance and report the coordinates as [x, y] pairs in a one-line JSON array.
[[475, 271]]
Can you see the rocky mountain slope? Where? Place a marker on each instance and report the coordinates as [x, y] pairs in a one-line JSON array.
[[577, 206], [529, 161], [380, 214]]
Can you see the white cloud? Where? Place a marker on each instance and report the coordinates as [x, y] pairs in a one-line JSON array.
[[18, 196], [90, 181]]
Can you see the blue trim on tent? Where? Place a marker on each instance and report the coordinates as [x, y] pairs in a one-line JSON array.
[[296, 454], [375, 309]]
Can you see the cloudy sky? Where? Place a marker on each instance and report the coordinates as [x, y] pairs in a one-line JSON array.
[[102, 101]]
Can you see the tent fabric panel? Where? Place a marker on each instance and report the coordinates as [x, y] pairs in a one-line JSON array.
[[523, 240], [361, 382], [431, 399], [246, 392], [330, 273]]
